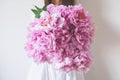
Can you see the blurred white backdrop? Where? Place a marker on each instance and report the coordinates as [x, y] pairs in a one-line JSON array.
[[106, 47], [15, 16]]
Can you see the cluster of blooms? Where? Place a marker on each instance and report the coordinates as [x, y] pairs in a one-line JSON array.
[[62, 37]]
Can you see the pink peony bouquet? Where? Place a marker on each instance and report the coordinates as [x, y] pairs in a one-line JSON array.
[[61, 36]]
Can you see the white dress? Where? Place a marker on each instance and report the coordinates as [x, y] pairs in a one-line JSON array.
[[46, 71]]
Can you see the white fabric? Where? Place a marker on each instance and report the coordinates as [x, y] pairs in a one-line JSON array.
[[45, 71]]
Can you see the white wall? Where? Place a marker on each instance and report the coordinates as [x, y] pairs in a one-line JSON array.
[[106, 48], [15, 15]]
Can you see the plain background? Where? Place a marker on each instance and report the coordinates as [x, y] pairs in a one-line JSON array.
[[15, 16]]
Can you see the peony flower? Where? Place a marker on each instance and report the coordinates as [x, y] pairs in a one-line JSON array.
[[40, 43], [62, 36]]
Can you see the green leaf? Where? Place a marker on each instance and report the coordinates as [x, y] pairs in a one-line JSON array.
[[44, 8], [38, 10], [37, 14]]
